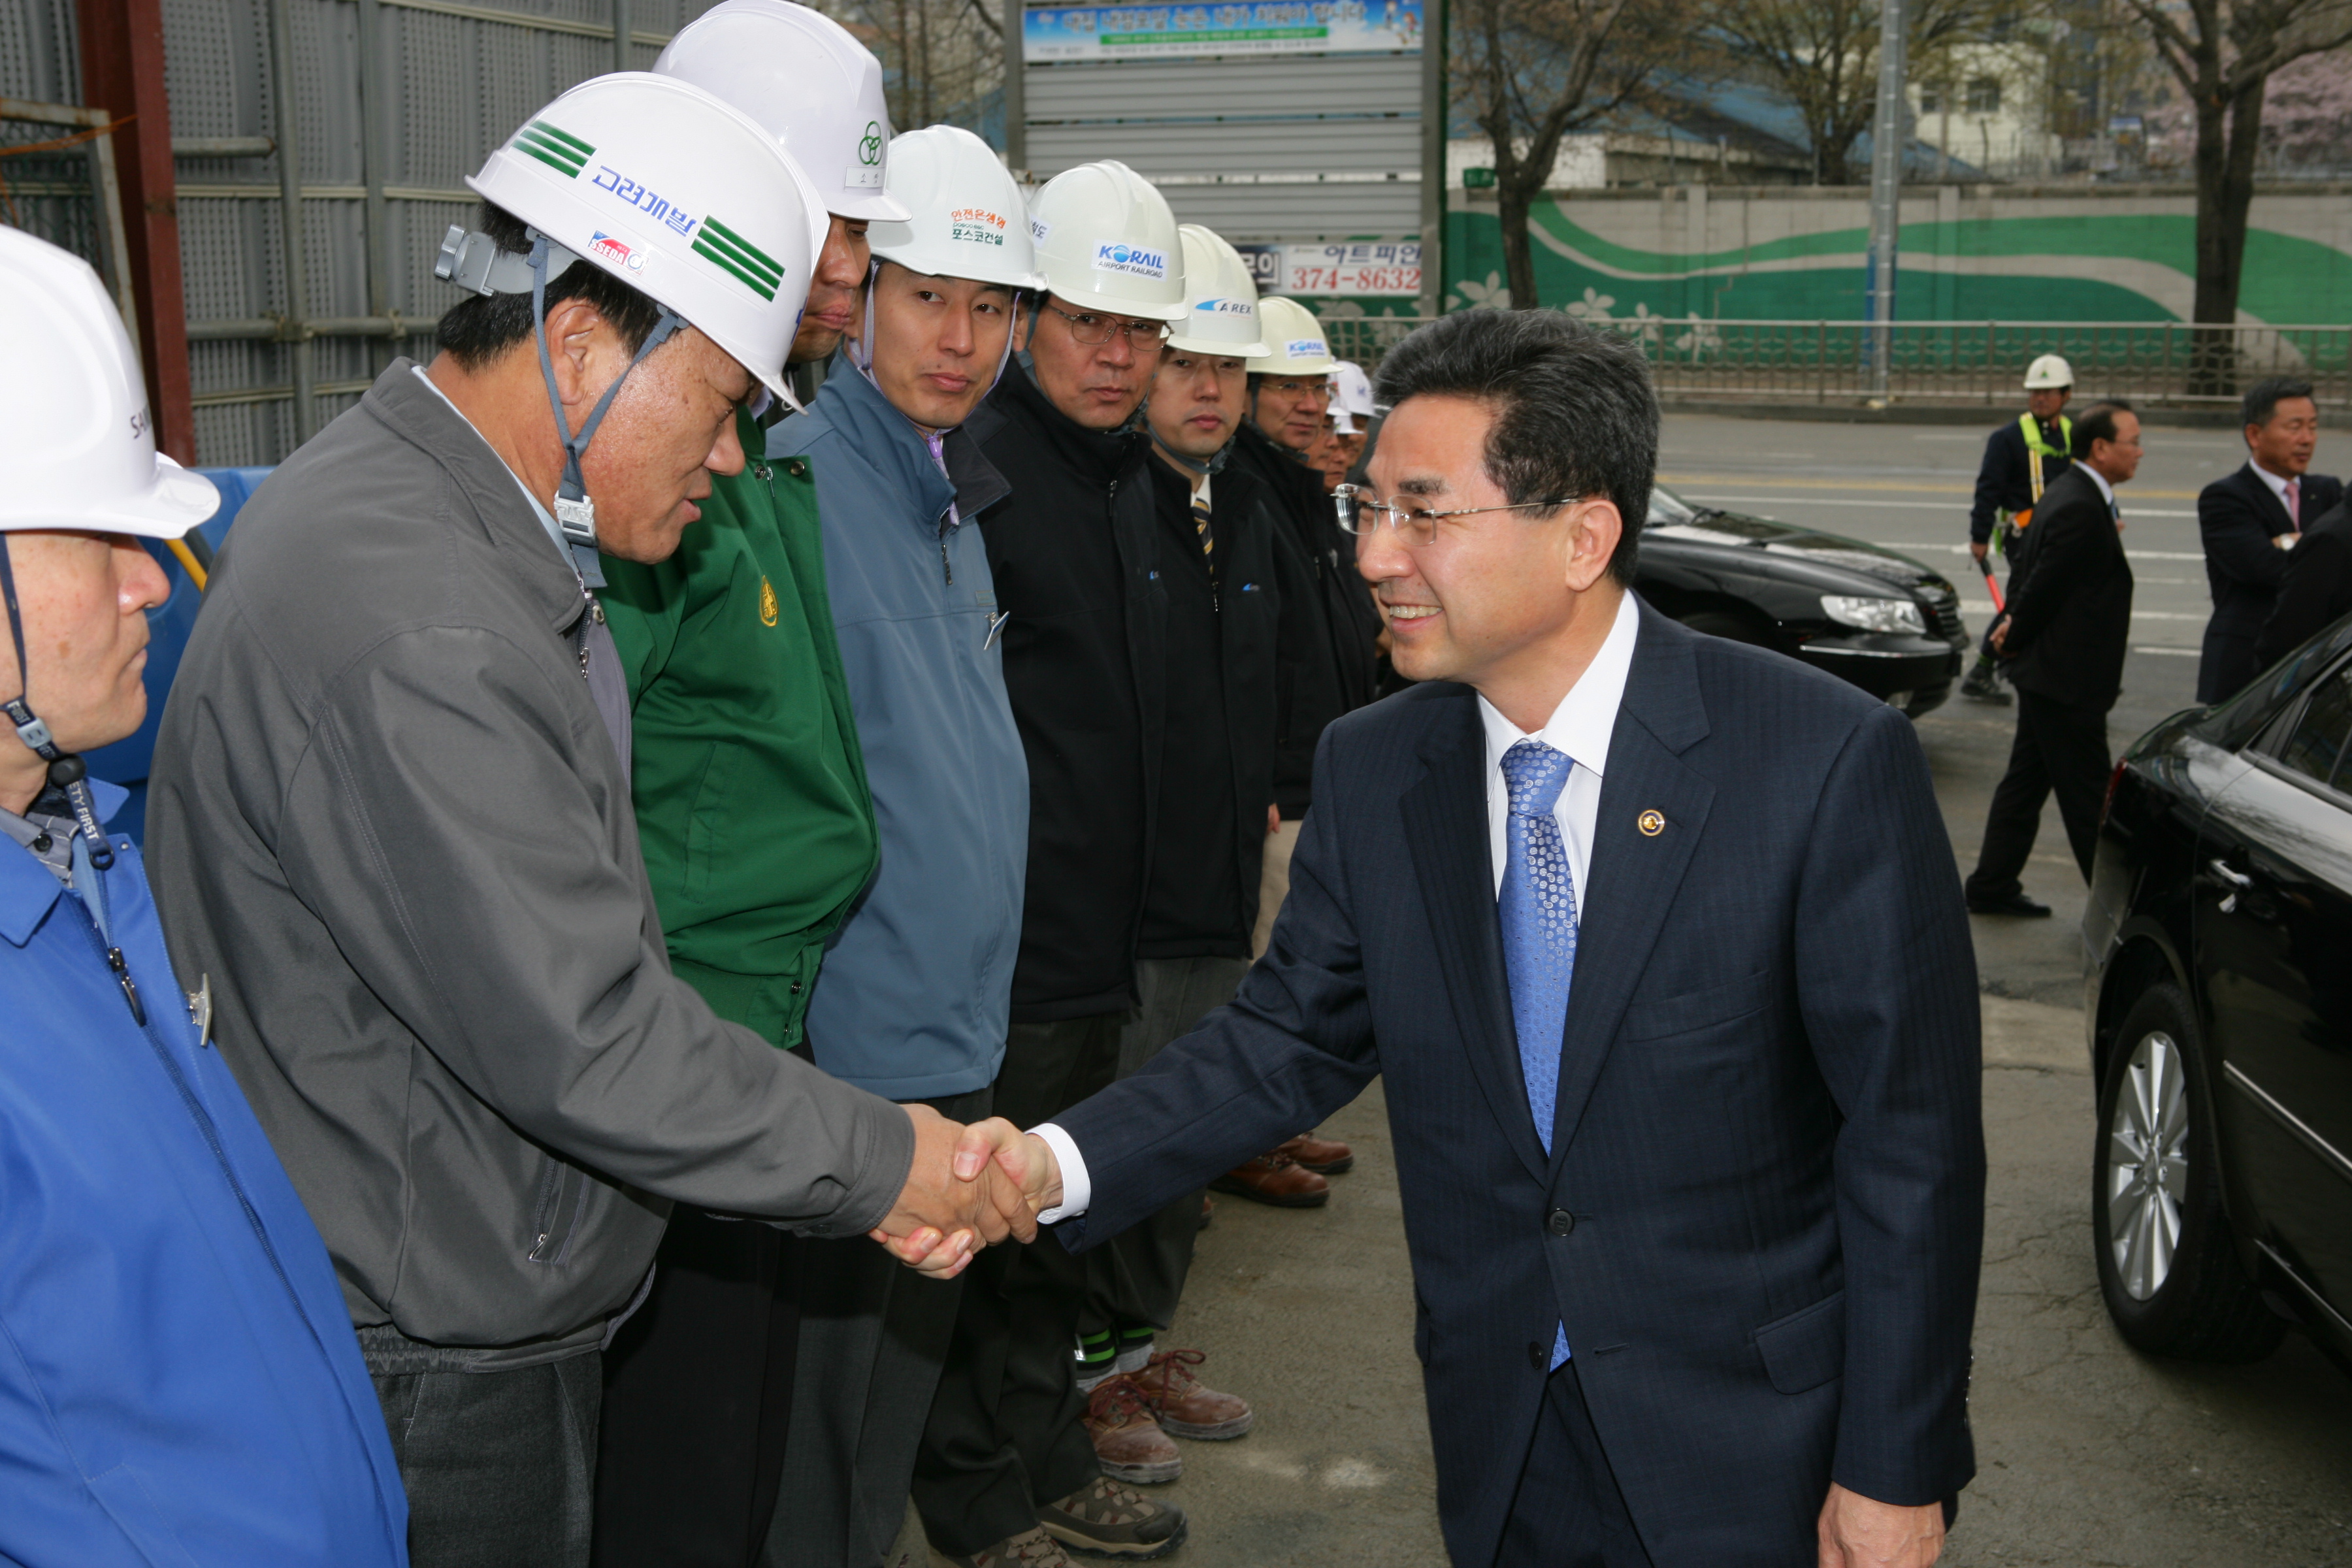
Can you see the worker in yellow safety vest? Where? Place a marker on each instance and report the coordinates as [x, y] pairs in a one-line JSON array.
[[2021, 459]]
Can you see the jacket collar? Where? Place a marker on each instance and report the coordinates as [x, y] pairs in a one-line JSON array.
[[434, 428], [853, 408], [28, 890], [1097, 455]]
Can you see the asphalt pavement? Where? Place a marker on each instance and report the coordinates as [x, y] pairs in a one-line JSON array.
[[2089, 1454]]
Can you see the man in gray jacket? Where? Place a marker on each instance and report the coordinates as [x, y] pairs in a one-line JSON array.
[[392, 829], [915, 994]]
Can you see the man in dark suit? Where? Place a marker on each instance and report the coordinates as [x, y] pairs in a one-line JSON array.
[[1661, 946], [2316, 591], [2068, 622], [2250, 520]]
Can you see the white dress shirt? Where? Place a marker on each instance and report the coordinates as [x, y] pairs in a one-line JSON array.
[[2278, 484], [2106, 489], [1581, 726]]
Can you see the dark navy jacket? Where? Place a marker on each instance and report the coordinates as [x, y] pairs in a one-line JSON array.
[[1763, 1213], [179, 1381]]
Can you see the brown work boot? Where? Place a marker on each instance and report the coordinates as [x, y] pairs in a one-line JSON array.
[[1324, 1156], [1127, 1439], [1033, 1547], [1276, 1178], [1104, 1519], [1186, 1406]]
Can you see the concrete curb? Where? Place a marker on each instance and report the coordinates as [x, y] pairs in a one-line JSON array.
[[2033, 1035]]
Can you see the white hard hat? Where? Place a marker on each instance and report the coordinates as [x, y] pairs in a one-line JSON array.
[[1351, 396], [967, 217], [1219, 299], [678, 195], [1294, 340], [2047, 371], [816, 89], [1104, 238], [77, 441]]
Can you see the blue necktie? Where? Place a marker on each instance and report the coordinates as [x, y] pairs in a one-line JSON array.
[[1538, 909]]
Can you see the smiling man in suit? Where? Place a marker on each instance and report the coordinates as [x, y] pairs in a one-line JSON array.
[[1661, 942]]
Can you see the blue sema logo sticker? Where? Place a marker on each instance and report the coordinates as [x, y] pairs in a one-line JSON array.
[[1133, 260], [615, 250]]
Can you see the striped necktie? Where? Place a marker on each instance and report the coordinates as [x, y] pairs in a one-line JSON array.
[[1208, 534]]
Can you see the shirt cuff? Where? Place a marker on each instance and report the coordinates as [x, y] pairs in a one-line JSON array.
[[1077, 1190]]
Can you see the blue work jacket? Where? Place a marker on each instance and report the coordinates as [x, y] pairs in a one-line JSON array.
[[915, 993], [179, 1381]]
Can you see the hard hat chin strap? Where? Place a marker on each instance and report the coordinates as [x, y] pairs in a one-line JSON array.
[[575, 513], [66, 770]]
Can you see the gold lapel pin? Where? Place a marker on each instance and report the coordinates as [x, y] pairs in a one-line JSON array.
[[1651, 823]]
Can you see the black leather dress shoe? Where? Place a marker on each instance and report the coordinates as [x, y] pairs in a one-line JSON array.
[[2015, 904]]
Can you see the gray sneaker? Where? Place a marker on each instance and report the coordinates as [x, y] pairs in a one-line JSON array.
[[1107, 1520], [1033, 1547]]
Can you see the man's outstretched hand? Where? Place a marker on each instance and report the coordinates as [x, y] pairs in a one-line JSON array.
[[956, 1199]]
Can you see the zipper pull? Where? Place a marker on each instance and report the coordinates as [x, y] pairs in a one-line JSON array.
[[945, 565], [130, 989]]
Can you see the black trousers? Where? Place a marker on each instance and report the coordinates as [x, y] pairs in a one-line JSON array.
[[698, 1399], [1569, 1512], [1137, 1276], [2058, 750], [1005, 1434], [497, 1465], [874, 1335]]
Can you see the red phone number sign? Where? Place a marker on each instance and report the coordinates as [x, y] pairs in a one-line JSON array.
[[1380, 267]]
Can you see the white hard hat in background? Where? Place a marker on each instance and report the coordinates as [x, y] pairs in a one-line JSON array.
[[1105, 238], [681, 196], [2049, 371], [1294, 340], [1352, 397], [815, 88], [969, 220], [1219, 299], [77, 441]]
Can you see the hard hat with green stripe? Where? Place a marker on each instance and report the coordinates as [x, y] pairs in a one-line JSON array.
[[678, 195]]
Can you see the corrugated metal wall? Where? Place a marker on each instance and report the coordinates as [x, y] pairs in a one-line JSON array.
[[1328, 147], [449, 80]]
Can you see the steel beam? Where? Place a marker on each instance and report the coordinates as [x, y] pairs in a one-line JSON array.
[[123, 73]]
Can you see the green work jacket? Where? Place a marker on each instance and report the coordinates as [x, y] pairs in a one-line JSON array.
[[751, 790]]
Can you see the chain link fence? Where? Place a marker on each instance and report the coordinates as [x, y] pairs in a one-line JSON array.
[[2161, 364]]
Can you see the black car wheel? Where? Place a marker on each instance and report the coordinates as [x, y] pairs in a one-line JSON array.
[[2168, 1264], [1729, 625]]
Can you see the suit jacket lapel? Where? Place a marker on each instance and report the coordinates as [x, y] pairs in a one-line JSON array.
[[1445, 825], [1633, 873], [2267, 501]]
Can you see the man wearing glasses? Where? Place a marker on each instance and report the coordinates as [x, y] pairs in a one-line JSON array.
[[1074, 557], [1658, 943]]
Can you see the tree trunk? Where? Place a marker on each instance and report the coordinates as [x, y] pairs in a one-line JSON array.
[[1513, 200], [2229, 134]]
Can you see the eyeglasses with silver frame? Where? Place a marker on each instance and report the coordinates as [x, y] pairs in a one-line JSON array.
[[1360, 515], [1095, 330]]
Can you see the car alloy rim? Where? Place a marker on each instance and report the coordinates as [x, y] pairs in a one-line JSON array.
[[2147, 1165]]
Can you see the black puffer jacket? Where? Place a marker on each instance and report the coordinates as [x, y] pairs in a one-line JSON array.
[[1217, 774], [1328, 622], [1073, 553]]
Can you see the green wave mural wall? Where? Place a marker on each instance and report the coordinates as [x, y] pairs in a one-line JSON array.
[[2114, 265]]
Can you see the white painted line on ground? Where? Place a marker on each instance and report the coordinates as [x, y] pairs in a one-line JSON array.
[[2174, 652], [1712, 499], [1984, 607], [1963, 550]]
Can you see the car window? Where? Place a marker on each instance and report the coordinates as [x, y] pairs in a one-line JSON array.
[[2313, 747], [1667, 508]]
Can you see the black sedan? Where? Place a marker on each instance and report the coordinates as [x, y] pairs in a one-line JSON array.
[[1864, 613], [2220, 1012]]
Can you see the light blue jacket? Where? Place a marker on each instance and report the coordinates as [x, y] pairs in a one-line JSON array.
[[179, 1380], [914, 996]]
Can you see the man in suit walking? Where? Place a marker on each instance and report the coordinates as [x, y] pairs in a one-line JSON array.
[[2251, 520], [2068, 621], [1667, 972]]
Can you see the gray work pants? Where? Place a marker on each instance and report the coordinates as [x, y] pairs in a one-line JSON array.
[[1138, 1277], [874, 1335], [499, 1466]]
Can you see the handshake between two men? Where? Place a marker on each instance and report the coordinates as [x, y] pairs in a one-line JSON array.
[[969, 1187]]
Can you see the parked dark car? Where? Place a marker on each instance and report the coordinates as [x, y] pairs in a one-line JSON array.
[[1864, 613], [2219, 1014]]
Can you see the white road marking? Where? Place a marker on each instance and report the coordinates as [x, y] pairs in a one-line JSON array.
[[1883, 505]]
